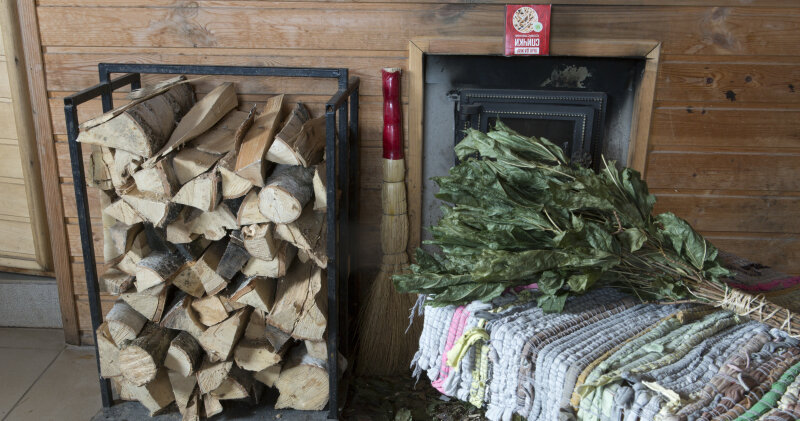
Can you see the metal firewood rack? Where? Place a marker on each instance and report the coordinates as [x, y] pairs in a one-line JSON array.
[[341, 155]]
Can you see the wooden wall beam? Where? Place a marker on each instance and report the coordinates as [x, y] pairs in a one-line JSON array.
[[29, 27]]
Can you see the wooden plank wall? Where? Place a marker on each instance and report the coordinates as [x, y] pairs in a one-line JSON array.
[[725, 136]]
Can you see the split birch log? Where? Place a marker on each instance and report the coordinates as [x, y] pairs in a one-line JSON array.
[[274, 268], [107, 353], [320, 192], [98, 172], [287, 192], [140, 359], [250, 161], [259, 240], [184, 355], [119, 239], [181, 317], [194, 249], [303, 382], [307, 148], [143, 128], [188, 280], [209, 310], [155, 396], [212, 225], [281, 151], [202, 116], [257, 292], [219, 340], [307, 233], [152, 209], [150, 303], [191, 162], [211, 374], [211, 406], [300, 305], [123, 212], [116, 281], [269, 375], [317, 349], [123, 167], [157, 268], [222, 137], [249, 212], [233, 185], [124, 323], [192, 411], [182, 388], [259, 326], [202, 192], [238, 385], [256, 354], [234, 258], [137, 251], [159, 180], [206, 269]]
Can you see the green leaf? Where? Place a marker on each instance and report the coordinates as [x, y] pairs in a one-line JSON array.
[[552, 303], [632, 239]]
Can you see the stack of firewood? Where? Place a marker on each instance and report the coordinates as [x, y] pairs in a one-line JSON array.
[[214, 222]]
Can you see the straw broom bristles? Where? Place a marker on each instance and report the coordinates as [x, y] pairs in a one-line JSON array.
[[384, 345]]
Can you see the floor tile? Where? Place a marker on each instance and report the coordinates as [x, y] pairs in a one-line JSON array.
[[19, 369], [67, 391], [18, 337]]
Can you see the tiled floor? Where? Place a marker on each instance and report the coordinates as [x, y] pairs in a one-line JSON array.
[[42, 379]]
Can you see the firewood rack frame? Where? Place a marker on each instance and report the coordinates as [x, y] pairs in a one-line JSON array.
[[341, 155]]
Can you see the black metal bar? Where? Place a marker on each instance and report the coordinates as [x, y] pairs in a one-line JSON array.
[[341, 97], [343, 209], [220, 70], [93, 92], [343, 74], [85, 226], [333, 254], [353, 172]]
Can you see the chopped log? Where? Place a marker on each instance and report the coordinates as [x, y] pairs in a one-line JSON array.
[[98, 173], [234, 258], [219, 340], [182, 387], [152, 209], [212, 225], [209, 310], [155, 396], [107, 353], [191, 162], [269, 375], [159, 180], [257, 292], [259, 240], [188, 280], [250, 161], [317, 349], [258, 327], [233, 185], [202, 192], [203, 115], [181, 317], [249, 212], [303, 382], [184, 355], [149, 303], [144, 127], [137, 251], [287, 192], [124, 323], [116, 281], [123, 212], [118, 240], [157, 268], [192, 411], [307, 148], [300, 306], [122, 169], [206, 269], [291, 128], [308, 234], [193, 250], [140, 359], [211, 406], [254, 355], [274, 268], [320, 192], [238, 385], [221, 138], [211, 374]]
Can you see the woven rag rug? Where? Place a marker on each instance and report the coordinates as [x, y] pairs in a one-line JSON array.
[[608, 356]]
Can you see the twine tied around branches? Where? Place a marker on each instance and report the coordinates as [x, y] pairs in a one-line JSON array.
[[757, 307]]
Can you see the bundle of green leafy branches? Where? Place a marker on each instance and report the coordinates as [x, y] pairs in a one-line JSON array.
[[520, 213]]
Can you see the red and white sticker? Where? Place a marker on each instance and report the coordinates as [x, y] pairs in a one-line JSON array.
[[527, 30]]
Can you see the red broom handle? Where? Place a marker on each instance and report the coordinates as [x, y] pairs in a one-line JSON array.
[[392, 117]]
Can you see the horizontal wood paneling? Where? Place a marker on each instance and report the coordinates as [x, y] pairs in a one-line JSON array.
[[205, 3], [779, 251]]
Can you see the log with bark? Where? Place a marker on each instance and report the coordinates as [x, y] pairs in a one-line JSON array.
[[250, 162], [287, 192]]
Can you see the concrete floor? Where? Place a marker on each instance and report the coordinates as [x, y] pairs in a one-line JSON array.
[[42, 379]]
